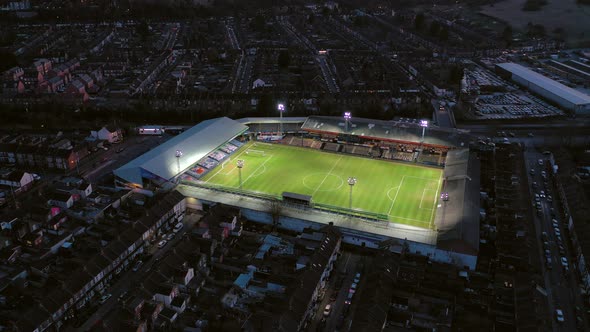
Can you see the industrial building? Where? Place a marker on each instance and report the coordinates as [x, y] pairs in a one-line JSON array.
[[564, 96]]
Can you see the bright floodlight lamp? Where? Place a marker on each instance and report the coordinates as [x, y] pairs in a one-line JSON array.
[[347, 117], [424, 125], [351, 183], [240, 164], [281, 109], [178, 155]]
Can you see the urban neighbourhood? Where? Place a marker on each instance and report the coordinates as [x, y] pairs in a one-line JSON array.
[[298, 166]]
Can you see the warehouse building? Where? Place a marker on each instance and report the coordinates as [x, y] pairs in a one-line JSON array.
[[564, 96]]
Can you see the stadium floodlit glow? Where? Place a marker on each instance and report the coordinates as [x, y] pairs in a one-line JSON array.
[[351, 183], [240, 164], [347, 115]]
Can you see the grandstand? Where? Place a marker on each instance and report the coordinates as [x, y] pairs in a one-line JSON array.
[[436, 179]]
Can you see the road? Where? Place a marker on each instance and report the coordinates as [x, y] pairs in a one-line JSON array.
[[130, 279], [100, 163], [336, 294], [560, 283]]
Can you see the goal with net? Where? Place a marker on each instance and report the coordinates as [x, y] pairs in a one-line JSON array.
[[253, 152]]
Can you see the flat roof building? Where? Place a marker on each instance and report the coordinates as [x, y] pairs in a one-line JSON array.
[[564, 96]]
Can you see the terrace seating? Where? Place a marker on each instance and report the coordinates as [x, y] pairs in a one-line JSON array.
[[334, 147], [217, 155], [208, 163]]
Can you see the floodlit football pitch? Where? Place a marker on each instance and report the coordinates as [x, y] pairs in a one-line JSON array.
[[399, 192]]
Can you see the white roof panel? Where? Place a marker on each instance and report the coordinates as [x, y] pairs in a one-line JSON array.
[[195, 143], [573, 96]]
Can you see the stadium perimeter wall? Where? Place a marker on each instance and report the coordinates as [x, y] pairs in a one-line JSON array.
[[354, 231]]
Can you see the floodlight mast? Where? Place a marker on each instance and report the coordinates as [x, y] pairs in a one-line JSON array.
[[347, 117], [178, 155], [281, 109], [240, 165], [351, 183], [424, 125]]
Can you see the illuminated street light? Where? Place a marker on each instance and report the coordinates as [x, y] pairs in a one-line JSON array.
[[281, 109], [351, 183], [240, 165]]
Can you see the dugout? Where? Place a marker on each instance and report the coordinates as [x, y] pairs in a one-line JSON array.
[[289, 197]]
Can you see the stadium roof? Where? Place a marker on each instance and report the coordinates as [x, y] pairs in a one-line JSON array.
[[195, 143], [457, 219], [565, 92], [400, 131], [286, 119]]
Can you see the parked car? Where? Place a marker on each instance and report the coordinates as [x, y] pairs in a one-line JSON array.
[[105, 297], [327, 310], [559, 316], [119, 150], [137, 266], [170, 237], [178, 227], [162, 243]]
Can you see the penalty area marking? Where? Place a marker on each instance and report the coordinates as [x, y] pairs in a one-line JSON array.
[[422, 199]]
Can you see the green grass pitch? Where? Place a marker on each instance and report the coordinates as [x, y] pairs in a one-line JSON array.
[[405, 193]]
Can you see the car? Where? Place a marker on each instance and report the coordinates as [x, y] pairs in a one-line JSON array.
[[104, 298], [178, 227], [564, 261], [122, 296], [540, 162], [349, 298], [544, 236], [94, 149], [531, 135], [162, 243], [545, 245], [119, 150], [511, 134], [549, 199], [557, 231], [559, 316], [532, 171], [36, 177], [547, 253], [137, 266], [169, 237], [327, 310]]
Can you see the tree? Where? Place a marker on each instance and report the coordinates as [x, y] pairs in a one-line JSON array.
[[444, 34], [275, 209], [419, 21], [434, 28], [284, 59]]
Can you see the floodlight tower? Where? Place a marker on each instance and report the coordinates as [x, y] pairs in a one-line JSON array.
[[178, 156], [240, 165], [347, 117], [351, 183], [281, 109], [424, 125]]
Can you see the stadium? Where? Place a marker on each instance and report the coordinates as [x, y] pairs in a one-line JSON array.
[[404, 184]]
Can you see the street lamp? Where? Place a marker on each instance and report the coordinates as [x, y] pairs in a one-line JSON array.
[[281, 109], [424, 125], [351, 183], [240, 165], [178, 155]]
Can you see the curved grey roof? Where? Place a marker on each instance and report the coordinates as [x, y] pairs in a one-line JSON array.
[[195, 143]]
